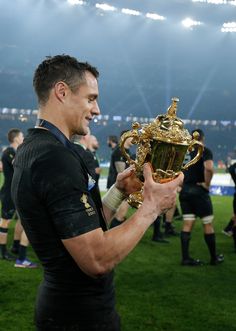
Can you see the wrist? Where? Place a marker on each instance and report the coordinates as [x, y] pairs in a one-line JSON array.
[[113, 198], [149, 212]]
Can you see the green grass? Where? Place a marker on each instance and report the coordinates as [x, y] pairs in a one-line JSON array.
[[154, 293]]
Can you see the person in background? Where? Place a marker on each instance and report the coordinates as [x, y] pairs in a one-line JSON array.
[[168, 222], [15, 138], [81, 146], [93, 146], [232, 171], [52, 194], [195, 202], [157, 235], [112, 142], [228, 230], [117, 165]]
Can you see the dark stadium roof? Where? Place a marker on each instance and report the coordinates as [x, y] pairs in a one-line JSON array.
[[143, 63]]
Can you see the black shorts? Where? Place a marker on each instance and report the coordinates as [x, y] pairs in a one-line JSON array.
[[8, 207], [195, 199]]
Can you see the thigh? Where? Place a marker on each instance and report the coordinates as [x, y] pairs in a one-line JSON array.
[[196, 201], [187, 204], [203, 204], [8, 208]]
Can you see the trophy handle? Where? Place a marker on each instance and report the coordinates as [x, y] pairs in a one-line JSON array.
[[198, 156], [130, 134]]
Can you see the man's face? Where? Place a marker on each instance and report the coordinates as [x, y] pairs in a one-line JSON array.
[[128, 142], [94, 142], [19, 139], [81, 106]]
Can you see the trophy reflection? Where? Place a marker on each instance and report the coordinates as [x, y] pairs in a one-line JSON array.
[[163, 143]]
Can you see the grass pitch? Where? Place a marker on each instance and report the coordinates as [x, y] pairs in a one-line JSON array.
[[154, 293]]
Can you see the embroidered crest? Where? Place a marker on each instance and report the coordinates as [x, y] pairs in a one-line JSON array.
[[88, 208], [84, 199]]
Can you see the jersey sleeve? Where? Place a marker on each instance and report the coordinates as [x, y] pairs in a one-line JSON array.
[[207, 154], [62, 186], [8, 157], [118, 156]]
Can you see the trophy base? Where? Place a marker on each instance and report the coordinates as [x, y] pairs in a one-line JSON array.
[[135, 199]]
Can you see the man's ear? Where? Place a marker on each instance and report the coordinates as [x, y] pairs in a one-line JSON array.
[[60, 90]]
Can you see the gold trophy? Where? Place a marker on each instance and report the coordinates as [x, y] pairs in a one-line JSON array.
[[163, 143]]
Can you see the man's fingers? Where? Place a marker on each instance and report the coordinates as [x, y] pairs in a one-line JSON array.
[[178, 181], [127, 172], [180, 178], [147, 172]]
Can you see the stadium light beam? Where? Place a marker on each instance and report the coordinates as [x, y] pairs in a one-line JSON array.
[[189, 23], [76, 2], [154, 16], [130, 12], [105, 6], [229, 27], [217, 2]]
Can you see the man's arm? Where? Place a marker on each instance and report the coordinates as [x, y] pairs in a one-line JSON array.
[[126, 183], [98, 170], [208, 173], [120, 166], [97, 252]]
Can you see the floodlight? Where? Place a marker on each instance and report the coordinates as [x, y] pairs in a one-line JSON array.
[[229, 27], [154, 16], [217, 2], [76, 2], [104, 6], [189, 23], [130, 12]]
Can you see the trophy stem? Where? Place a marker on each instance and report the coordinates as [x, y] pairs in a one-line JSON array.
[[135, 199]]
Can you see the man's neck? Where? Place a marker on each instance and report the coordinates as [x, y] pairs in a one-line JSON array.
[[55, 121], [14, 145]]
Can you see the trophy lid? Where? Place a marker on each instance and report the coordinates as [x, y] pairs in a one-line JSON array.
[[169, 128]]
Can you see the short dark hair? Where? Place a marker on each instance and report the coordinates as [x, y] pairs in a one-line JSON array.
[[201, 133], [113, 139], [12, 134], [124, 131], [59, 68]]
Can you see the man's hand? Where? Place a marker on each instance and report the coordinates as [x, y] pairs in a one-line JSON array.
[[204, 185], [127, 182], [159, 197]]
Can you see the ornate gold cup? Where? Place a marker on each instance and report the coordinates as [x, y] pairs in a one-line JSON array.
[[163, 143]]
